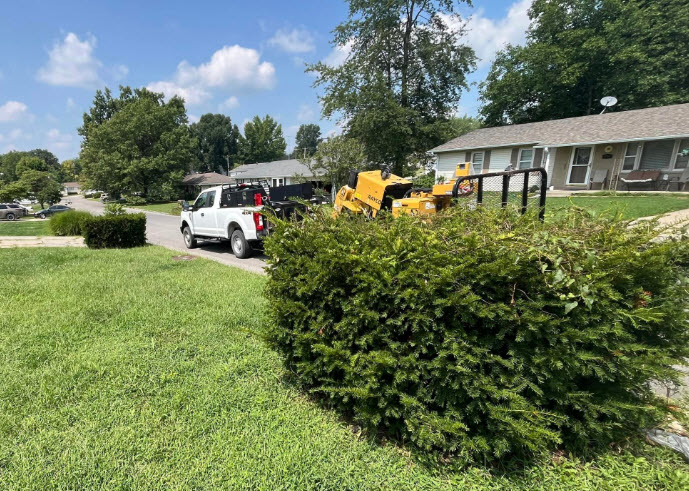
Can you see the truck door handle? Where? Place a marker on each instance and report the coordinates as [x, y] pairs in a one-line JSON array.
[[203, 215]]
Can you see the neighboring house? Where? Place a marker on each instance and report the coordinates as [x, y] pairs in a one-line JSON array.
[[277, 173], [194, 183], [572, 149], [71, 188]]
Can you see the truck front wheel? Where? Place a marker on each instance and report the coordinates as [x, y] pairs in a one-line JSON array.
[[240, 247], [189, 239]]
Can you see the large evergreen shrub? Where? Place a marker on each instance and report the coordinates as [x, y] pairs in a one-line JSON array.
[[68, 222], [479, 333], [116, 231]]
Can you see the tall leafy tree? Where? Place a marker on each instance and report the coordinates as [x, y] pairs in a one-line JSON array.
[[30, 163], [579, 51], [335, 158], [9, 162], [218, 142], [144, 146], [403, 77], [71, 169], [308, 138], [41, 185], [262, 141]]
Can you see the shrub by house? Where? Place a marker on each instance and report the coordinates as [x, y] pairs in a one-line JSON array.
[[69, 222], [479, 333]]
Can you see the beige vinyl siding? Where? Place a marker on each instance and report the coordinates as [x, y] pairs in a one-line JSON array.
[[448, 162], [499, 159]]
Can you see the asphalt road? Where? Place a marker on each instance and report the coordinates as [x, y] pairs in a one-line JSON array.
[[163, 230]]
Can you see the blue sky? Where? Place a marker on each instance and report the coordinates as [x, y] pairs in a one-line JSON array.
[[238, 58]]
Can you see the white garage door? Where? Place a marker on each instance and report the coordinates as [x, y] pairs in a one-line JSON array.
[[499, 159]]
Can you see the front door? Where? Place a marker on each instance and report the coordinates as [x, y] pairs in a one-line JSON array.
[[580, 166]]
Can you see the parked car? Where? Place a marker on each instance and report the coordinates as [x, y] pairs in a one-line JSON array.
[[24, 206], [19, 208], [10, 212], [51, 211], [104, 197]]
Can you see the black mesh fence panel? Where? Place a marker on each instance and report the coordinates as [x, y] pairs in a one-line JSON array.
[[523, 189]]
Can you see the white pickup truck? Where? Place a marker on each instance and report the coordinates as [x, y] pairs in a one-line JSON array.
[[233, 212]]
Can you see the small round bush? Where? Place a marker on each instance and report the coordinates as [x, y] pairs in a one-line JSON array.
[[69, 222], [481, 334]]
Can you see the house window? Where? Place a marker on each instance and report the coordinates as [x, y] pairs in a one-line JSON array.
[[526, 158], [477, 162], [631, 155], [278, 181], [657, 155], [682, 155]]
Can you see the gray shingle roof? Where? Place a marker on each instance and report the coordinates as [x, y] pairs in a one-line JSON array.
[[652, 123], [206, 179], [278, 168]]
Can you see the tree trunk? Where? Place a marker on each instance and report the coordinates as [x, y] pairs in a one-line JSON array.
[[404, 99]]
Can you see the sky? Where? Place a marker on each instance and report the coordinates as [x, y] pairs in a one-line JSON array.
[[232, 57]]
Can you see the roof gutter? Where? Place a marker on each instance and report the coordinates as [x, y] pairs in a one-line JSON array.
[[463, 149], [601, 142]]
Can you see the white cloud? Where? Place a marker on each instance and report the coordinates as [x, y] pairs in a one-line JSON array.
[[293, 41], [13, 110], [487, 35], [71, 63], [229, 103], [119, 71], [306, 113], [17, 133], [58, 140], [70, 103], [339, 54], [231, 67], [193, 118], [191, 94]]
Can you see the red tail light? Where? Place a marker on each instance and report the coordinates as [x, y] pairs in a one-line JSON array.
[[258, 199], [258, 221]]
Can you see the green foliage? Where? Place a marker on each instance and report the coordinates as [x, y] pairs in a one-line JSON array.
[[114, 209], [404, 75], [71, 170], [425, 181], [218, 142], [114, 230], [30, 163], [12, 191], [10, 161], [69, 222], [262, 141], [41, 186], [579, 51], [144, 145], [135, 200], [334, 159], [481, 334], [308, 138]]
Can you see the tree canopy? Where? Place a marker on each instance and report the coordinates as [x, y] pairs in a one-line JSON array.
[[262, 141], [218, 142], [579, 51], [334, 159], [10, 161], [308, 138], [140, 143], [402, 80]]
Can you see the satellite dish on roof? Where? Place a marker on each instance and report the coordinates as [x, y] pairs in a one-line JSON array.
[[607, 102]]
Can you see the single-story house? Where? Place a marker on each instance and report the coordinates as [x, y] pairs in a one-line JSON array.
[[573, 149], [71, 188], [277, 173], [196, 182]]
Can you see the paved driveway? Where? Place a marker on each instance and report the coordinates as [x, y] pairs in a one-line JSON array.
[[163, 230]]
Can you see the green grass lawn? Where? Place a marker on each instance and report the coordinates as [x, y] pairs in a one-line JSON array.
[[25, 227], [171, 208], [131, 377], [631, 207]]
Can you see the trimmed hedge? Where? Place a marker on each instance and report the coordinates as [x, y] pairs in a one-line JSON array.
[[115, 231], [69, 222], [481, 334]]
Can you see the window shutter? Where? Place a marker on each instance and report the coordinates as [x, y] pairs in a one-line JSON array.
[[657, 155]]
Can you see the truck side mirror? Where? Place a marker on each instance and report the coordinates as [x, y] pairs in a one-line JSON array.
[[186, 206]]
